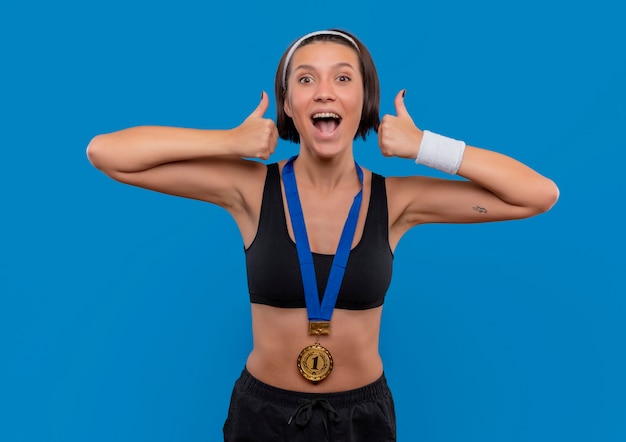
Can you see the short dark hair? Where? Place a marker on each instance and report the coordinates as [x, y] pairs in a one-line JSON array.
[[370, 118]]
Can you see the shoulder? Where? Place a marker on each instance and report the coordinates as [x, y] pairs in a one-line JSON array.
[[399, 187], [410, 194], [230, 182]]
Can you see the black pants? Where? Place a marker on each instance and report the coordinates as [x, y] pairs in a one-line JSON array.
[[259, 412]]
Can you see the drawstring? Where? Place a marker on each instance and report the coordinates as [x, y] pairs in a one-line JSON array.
[[304, 413]]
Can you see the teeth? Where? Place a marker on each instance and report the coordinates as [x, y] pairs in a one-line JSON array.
[[326, 115]]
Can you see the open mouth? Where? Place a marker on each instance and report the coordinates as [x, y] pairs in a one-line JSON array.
[[326, 122]]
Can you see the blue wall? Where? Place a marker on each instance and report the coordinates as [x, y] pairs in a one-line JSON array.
[[124, 313]]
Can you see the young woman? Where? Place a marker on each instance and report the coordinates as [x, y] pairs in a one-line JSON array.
[[319, 231]]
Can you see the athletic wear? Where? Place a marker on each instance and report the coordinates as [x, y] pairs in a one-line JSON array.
[[261, 413], [273, 269]]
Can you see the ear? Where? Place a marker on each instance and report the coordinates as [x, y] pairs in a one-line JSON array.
[[287, 104]]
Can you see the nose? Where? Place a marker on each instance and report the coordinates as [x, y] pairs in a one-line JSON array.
[[325, 91]]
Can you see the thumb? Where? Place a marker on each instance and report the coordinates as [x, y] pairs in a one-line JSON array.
[[262, 107], [399, 103]]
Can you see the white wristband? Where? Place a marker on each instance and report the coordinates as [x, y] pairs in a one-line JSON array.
[[441, 153]]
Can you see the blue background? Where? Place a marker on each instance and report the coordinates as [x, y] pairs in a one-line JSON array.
[[124, 313]]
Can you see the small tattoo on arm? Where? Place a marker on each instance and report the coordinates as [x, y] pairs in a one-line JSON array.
[[479, 209]]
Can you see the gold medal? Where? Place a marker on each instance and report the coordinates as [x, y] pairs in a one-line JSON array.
[[315, 362]]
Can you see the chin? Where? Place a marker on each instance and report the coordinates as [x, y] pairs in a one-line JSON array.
[[327, 149]]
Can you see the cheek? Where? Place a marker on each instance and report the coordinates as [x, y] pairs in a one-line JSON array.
[[355, 100], [357, 109], [296, 107]]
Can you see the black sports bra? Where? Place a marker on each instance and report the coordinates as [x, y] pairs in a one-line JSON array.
[[273, 269]]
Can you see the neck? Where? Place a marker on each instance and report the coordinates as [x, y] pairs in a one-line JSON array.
[[325, 174]]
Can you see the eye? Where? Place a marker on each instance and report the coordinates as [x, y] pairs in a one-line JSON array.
[[305, 79], [343, 78]]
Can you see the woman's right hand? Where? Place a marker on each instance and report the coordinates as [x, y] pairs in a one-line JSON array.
[[257, 136]]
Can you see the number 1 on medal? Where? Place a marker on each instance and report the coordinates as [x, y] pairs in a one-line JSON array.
[[315, 362]]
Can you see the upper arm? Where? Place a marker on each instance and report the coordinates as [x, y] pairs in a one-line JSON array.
[[418, 200], [229, 182]]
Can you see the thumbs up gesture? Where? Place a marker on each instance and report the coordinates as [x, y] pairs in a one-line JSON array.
[[397, 135], [256, 136]]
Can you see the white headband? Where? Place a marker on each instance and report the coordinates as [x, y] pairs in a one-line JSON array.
[[297, 44]]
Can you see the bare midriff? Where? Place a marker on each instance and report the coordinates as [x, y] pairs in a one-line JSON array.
[[280, 334]]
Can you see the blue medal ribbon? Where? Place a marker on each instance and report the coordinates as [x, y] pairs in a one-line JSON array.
[[319, 311]]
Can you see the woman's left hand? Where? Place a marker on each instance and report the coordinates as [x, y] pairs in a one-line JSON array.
[[397, 135]]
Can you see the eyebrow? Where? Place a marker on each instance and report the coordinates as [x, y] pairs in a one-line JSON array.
[[335, 66]]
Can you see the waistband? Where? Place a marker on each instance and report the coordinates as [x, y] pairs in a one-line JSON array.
[[372, 392]]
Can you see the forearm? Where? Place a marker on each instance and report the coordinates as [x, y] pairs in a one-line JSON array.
[[510, 180], [144, 147]]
